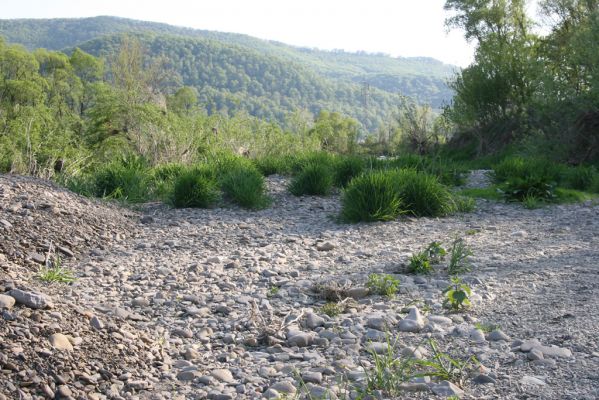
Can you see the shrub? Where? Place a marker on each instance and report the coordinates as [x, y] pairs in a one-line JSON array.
[[119, 181], [371, 197], [534, 186], [195, 188], [245, 187], [347, 169], [514, 168], [270, 165], [457, 295], [581, 178], [314, 179], [163, 177], [422, 194]]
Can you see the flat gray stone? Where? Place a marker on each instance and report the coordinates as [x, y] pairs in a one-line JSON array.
[[498, 335], [30, 299], [446, 389], [284, 387], [301, 339]]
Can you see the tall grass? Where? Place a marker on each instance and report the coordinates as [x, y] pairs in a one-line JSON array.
[[196, 188], [371, 197], [315, 179], [244, 185]]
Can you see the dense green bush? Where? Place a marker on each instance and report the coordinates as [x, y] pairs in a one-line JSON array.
[[371, 197], [314, 179], [122, 181], [529, 188], [522, 168], [581, 178], [422, 194], [245, 186], [196, 188], [348, 168]]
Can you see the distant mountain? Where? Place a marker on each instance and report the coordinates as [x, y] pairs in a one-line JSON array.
[[268, 79]]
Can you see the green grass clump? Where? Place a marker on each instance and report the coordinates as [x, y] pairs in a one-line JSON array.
[[383, 284], [196, 188], [245, 186], [422, 195], [315, 179], [122, 181], [582, 178], [55, 273], [348, 168], [371, 197], [513, 168], [271, 165], [489, 193], [420, 264], [536, 187]]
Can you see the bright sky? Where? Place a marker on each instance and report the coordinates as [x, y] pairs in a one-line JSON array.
[[397, 27]]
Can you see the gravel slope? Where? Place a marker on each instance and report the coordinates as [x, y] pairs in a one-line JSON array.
[[175, 307]]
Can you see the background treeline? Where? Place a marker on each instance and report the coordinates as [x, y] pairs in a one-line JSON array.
[[538, 93], [233, 72]]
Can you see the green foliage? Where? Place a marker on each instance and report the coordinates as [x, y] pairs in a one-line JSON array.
[[371, 197], [435, 252], [458, 257], [55, 273], [388, 372], [244, 185], [383, 284], [443, 366], [270, 165], [582, 178], [332, 309], [422, 195], [489, 193], [457, 295], [530, 187], [348, 168], [420, 264], [520, 168], [196, 188], [315, 179], [126, 180]]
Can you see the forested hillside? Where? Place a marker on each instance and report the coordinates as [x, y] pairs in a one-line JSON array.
[[233, 72]]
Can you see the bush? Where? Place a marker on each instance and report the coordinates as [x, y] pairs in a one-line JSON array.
[[581, 178], [530, 187], [163, 177], [122, 181], [196, 188], [270, 165], [519, 168], [422, 194], [245, 187], [371, 197], [347, 169], [315, 178]]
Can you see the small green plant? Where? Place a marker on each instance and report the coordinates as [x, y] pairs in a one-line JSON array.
[[332, 309], [383, 284], [486, 328], [371, 197], [420, 264], [457, 295], [195, 188], [458, 258], [389, 372], [443, 366], [55, 273], [435, 252], [315, 179], [273, 291], [531, 202]]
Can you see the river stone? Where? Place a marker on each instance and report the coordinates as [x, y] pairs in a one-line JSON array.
[[30, 299], [223, 375], [447, 389], [301, 339], [6, 301], [60, 342], [498, 335]]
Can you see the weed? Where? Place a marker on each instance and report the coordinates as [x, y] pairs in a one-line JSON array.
[[371, 197], [383, 284], [388, 372], [520, 189], [457, 295], [435, 252], [445, 367], [581, 178], [55, 273], [273, 291], [314, 179], [486, 328], [332, 309], [531, 202], [458, 259], [420, 264], [121, 181], [472, 232]]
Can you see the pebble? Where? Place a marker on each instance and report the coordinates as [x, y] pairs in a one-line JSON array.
[[30, 299], [6, 302], [301, 339], [60, 342], [447, 389]]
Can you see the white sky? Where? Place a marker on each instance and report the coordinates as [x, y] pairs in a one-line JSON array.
[[397, 27]]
